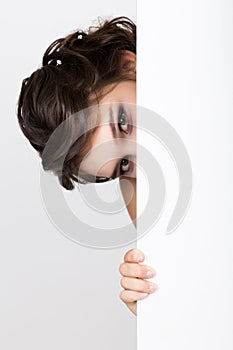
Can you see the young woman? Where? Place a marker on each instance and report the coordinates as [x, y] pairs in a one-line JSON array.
[[88, 68]]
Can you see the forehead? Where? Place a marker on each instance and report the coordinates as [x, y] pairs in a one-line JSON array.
[[125, 91]]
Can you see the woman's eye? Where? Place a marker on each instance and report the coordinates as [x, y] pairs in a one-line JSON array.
[[123, 121], [125, 166]]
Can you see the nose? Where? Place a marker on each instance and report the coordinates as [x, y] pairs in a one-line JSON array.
[[128, 146]]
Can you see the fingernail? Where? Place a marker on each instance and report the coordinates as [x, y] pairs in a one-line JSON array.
[[152, 288], [150, 274], [139, 257], [143, 295]]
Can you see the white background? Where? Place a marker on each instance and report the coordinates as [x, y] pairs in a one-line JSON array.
[[54, 294], [185, 74]]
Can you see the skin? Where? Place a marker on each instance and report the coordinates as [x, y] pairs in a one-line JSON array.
[[107, 153], [134, 274], [134, 280]]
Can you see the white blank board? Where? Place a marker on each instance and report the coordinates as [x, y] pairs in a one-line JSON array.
[[185, 74]]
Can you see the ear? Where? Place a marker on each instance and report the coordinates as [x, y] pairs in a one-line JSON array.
[[128, 61]]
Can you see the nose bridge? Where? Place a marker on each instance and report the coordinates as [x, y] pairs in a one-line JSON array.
[[117, 147], [112, 149], [106, 148], [128, 146]]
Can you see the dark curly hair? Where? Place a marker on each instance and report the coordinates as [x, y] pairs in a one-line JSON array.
[[74, 68]]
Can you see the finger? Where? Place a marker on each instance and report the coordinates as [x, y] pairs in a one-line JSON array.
[[136, 270], [134, 255], [133, 307], [129, 296], [138, 285]]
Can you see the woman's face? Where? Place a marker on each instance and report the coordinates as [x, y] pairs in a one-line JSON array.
[[113, 151]]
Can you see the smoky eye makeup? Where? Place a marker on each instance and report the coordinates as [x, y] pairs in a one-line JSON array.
[[100, 179], [125, 122], [126, 166]]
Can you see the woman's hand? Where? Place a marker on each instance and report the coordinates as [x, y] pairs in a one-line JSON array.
[[134, 280]]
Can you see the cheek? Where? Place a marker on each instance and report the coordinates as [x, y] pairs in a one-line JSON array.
[[134, 172]]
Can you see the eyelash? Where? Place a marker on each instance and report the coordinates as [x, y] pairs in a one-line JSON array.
[[122, 120], [123, 127], [125, 162]]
